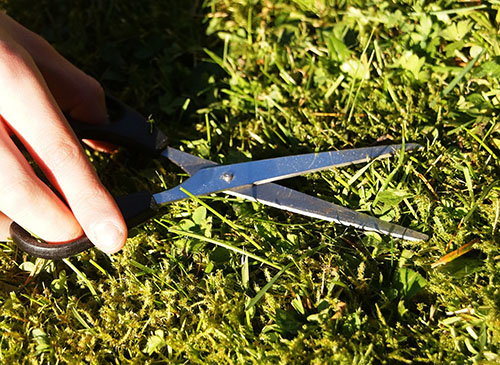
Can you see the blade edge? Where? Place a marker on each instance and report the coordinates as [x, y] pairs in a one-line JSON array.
[[294, 201]]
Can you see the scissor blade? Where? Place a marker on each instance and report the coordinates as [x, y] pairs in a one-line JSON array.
[[213, 178], [186, 161], [290, 200]]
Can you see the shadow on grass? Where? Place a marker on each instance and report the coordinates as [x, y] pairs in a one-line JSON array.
[[148, 53]]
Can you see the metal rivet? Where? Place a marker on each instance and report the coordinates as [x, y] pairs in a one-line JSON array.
[[227, 176]]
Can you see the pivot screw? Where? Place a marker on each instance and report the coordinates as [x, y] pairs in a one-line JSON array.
[[227, 176]]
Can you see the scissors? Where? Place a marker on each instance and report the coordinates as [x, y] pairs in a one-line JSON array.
[[252, 180]]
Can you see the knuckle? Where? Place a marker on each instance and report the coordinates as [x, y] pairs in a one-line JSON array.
[[95, 86], [90, 199], [90, 89], [63, 154]]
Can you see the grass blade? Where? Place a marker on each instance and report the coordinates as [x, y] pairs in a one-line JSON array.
[[266, 287], [462, 73], [225, 245], [83, 277]]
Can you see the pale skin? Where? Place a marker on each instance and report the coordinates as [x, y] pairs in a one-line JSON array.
[[36, 86]]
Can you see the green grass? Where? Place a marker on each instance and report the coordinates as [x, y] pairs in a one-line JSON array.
[[238, 80]]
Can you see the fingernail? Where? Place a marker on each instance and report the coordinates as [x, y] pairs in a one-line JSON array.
[[107, 237]]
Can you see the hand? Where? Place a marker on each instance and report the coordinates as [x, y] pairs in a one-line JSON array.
[[36, 84]]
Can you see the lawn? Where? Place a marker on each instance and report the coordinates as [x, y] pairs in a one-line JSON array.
[[233, 81]]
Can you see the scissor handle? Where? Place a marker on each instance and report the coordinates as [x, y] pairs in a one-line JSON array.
[[127, 128], [136, 208]]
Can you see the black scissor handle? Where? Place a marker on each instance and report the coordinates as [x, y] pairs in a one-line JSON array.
[[136, 208], [127, 128]]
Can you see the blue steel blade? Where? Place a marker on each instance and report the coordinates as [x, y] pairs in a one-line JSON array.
[[212, 179]]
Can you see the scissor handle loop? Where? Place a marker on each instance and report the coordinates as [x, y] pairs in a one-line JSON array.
[[55, 251], [126, 128], [136, 208]]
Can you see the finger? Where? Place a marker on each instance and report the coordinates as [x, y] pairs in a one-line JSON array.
[[78, 94], [100, 146], [24, 198], [32, 113], [4, 227]]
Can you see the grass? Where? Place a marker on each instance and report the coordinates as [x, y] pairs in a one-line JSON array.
[[221, 280]]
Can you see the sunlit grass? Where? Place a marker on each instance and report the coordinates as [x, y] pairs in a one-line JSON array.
[[223, 280]]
